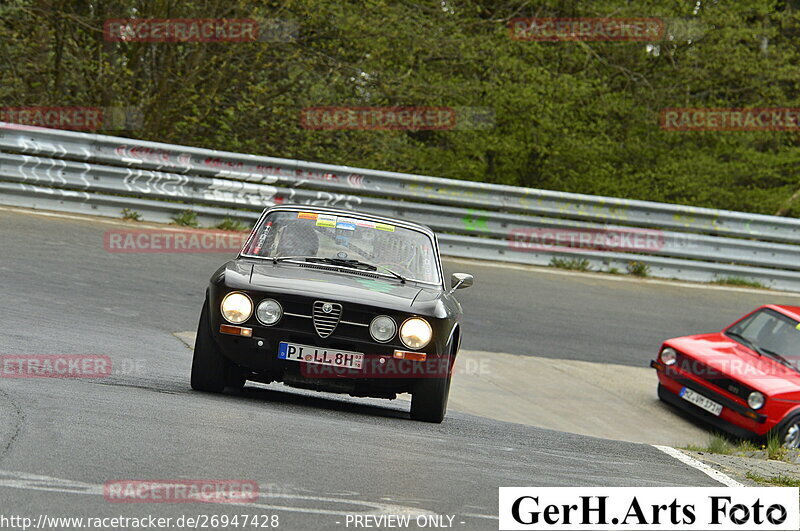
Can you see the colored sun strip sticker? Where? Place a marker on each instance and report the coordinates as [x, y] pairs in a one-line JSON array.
[[346, 224], [364, 223], [384, 226], [381, 286], [307, 215], [324, 220]]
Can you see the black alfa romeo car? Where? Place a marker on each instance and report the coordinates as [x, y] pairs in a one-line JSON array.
[[336, 301]]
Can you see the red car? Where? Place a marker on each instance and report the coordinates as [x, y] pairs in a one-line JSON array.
[[743, 380]]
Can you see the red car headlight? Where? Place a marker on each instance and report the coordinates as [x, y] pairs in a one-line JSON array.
[[668, 356], [755, 400]]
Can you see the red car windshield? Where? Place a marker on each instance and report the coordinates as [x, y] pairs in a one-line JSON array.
[[772, 333], [407, 252]]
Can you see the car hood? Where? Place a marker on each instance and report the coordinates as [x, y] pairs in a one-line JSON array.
[[323, 283], [739, 362]]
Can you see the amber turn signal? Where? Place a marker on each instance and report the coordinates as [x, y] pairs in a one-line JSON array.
[[412, 356], [236, 330]]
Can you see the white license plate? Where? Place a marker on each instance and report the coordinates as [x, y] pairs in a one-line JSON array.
[[701, 401], [320, 356]]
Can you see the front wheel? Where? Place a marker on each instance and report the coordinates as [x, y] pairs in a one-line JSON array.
[[789, 433], [429, 399], [211, 371]]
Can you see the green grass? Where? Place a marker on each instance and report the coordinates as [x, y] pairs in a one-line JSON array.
[[738, 281], [231, 224], [717, 444], [613, 271], [186, 218], [576, 264], [131, 215], [775, 449], [638, 269], [779, 481], [721, 444]]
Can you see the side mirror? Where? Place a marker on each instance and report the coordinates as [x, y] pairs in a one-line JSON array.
[[460, 280]]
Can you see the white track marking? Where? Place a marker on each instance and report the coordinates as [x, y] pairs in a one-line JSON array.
[[27, 481], [485, 516], [702, 467]]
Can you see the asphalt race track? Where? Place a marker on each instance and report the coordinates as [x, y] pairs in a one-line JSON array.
[[316, 457]]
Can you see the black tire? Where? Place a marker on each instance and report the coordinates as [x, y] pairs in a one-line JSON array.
[[211, 371], [788, 432], [429, 399], [661, 393]]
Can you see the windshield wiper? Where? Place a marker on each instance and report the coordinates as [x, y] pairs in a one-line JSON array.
[[355, 264], [746, 342], [780, 359], [358, 264], [341, 262], [395, 274], [763, 351], [276, 259]]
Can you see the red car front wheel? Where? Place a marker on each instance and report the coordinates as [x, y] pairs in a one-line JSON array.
[[789, 432]]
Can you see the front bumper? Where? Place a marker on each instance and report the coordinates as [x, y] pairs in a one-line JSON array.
[[380, 375], [735, 418]]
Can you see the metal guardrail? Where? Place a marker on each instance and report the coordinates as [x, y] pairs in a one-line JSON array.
[[79, 172]]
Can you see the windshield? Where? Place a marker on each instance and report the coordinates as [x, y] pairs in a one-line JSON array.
[[406, 252], [772, 333]]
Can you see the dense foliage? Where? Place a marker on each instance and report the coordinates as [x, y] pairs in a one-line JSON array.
[[572, 116]]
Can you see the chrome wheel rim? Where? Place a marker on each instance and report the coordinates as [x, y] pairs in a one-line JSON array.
[[792, 438]]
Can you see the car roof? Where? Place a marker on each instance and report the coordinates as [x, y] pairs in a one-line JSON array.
[[344, 212], [791, 311]]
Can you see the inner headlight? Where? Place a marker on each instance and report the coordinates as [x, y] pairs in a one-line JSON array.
[[236, 307], [669, 356], [382, 328], [755, 400], [416, 333], [269, 312]]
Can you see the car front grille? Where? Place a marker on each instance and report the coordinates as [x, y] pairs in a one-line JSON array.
[[714, 377], [325, 322]]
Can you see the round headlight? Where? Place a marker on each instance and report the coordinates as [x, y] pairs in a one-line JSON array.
[[269, 312], [382, 328], [669, 356], [416, 333], [236, 307], [755, 400]]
